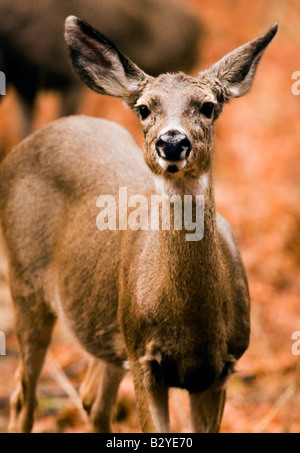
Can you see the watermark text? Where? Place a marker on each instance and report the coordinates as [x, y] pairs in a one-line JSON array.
[[296, 85], [2, 343], [158, 212], [296, 345], [2, 83]]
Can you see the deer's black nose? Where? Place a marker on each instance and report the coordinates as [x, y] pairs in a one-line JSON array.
[[173, 146]]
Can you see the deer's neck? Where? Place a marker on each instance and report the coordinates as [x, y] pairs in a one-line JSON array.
[[200, 186], [189, 259], [203, 188]]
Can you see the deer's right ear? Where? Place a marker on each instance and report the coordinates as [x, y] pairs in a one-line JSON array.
[[100, 65], [233, 75]]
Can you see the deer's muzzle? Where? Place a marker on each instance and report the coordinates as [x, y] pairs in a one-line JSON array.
[[173, 146]]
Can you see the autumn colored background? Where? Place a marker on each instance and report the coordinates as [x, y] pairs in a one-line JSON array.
[[257, 175]]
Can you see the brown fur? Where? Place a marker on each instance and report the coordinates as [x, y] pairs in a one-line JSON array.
[[176, 311]]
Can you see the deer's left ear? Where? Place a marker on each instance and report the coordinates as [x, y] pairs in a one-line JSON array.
[[100, 65], [232, 76]]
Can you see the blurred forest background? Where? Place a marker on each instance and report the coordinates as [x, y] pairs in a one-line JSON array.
[[257, 176]]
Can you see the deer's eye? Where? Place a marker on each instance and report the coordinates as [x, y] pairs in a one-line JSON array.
[[144, 111], [207, 109]]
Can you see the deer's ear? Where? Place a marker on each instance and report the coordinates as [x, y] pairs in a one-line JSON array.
[[232, 76], [100, 65]]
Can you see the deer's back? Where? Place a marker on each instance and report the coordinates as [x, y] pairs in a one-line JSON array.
[[76, 156], [65, 167], [49, 186]]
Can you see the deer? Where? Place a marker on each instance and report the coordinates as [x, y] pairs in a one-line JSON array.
[[35, 59], [176, 313]]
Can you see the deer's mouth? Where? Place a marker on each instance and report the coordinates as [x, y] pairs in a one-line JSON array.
[[173, 148], [172, 166], [172, 169]]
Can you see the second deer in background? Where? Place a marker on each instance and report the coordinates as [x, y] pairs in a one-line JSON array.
[[159, 35]]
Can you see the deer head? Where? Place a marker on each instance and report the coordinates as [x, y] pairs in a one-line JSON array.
[[177, 111]]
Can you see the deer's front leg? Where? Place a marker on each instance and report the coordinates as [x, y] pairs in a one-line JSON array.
[[152, 399], [207, 410]]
